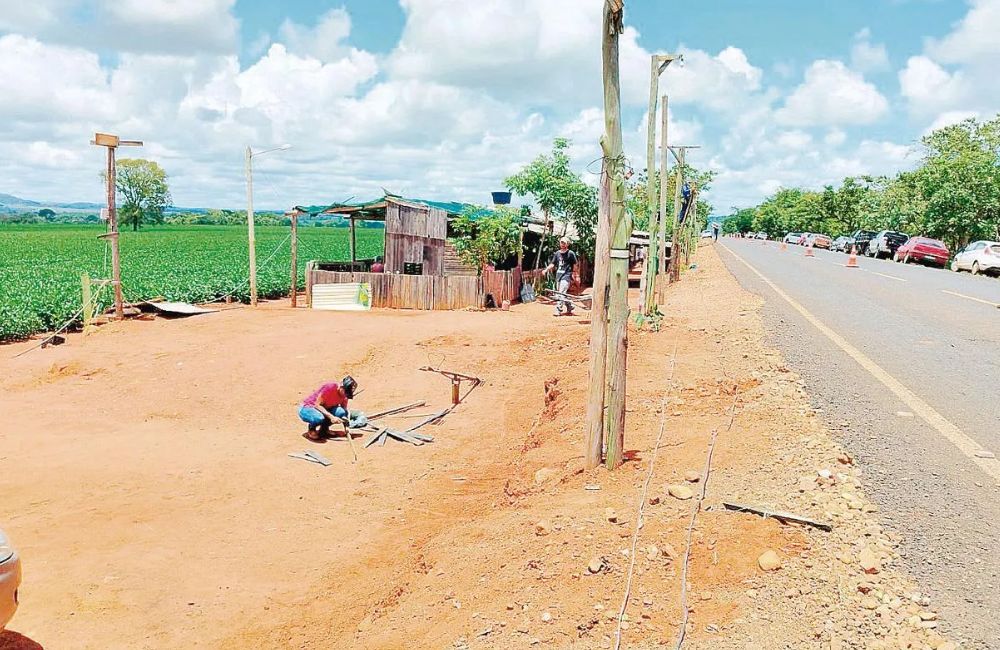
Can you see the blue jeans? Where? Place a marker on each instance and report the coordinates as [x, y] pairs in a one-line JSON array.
[[314, 418]]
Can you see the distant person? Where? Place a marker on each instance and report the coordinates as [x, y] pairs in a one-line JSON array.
[[715, 231], [378, 266], [327, 405], [562, 262]]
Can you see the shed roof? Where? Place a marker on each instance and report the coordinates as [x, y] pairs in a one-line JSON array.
[[375, 210]]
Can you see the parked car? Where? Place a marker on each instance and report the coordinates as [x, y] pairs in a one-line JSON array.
[[10, 580], [860, 239], [802, 238], [706, 234], [792, 238], [818, 240], [979, 257], [842, 244], [923, 250], [885, 243], [760, 235]]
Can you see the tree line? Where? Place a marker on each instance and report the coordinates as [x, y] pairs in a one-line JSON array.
[[952, 195]]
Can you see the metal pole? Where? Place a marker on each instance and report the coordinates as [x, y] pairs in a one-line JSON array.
[[250, 229], [116, 266]]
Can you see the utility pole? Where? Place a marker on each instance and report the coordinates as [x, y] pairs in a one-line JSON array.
[[621, 231], [658, 63], [660, 268], [250, 153], [611, 174], [111, 143], [678, 152]]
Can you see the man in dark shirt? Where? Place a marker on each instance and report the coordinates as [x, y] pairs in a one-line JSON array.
[[562, 262]]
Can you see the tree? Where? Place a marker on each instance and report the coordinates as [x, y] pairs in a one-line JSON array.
[[560, 193], [46, 213], [485, 237], [142, 187]]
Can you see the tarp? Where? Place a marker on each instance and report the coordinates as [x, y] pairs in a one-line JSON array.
[[181, 308], [348, 296]]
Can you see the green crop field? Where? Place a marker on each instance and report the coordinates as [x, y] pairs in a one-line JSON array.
[[40, 266]]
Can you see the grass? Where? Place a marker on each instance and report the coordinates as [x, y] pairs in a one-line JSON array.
[[40, 266]]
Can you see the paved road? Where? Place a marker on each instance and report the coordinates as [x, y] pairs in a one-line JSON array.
[[916, 396]]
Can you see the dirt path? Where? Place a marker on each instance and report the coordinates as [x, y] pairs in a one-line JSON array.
[[146, 482]]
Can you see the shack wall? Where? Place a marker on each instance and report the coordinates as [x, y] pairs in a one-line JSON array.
[[396, 291], [414, 234]]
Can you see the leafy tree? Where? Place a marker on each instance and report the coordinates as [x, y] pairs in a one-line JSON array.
[[142, 186], [741, 221], [560, 193], [46, 213], [485, 237]]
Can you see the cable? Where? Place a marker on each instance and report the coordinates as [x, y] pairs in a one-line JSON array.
[[682, 633], [642, 505], [71, 320]]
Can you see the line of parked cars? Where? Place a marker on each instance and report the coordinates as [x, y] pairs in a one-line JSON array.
[[978, 257]]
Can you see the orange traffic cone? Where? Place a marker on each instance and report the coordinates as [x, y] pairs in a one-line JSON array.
[[809, 251], [784, 246], [852, 261]]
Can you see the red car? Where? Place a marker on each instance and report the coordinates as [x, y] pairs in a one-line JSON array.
[[924, 250]]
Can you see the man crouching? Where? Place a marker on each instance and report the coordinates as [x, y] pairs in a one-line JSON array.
[[327, 405]]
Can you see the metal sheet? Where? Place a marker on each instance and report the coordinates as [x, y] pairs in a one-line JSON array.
[[182, 308]]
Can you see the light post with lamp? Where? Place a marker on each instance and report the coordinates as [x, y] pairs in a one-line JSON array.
[[250, 153]]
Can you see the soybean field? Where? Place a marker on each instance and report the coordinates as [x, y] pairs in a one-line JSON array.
[[40, 266]]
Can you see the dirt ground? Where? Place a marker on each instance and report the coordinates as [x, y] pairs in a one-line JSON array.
[[146, 482]]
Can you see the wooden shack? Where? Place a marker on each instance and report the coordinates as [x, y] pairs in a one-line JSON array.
[[421, 270]]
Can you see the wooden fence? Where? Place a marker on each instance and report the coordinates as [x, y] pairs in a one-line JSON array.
[[503, 285], [396, 291]]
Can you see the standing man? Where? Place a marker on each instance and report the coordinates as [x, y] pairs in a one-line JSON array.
[[562, 262], [715, 230]]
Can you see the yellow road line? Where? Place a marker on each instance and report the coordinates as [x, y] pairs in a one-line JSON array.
[[969, 447], [962, 295], [891, 277]]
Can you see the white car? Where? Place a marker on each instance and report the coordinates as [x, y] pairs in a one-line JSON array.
[[760, 235], [10, 580], [978, 257]]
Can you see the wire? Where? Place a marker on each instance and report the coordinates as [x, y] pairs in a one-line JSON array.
[[642, 505], [682, 633], [71, 320]]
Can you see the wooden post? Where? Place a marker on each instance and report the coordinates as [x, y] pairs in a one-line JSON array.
[[520, 246], [116, 264], [295, 260], [648, 278], [596, 390], [621, 231], [675, 239], [354, 245], [662, 239], [88, 302], [251, 235]]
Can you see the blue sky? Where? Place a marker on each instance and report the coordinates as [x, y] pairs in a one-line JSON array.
[[443, 98]]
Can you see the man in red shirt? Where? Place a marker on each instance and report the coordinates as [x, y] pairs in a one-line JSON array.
[[326, 405]]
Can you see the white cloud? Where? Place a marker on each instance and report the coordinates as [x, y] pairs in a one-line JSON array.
[[867, 56], [929, 87], [949, 118], [833, 95], [835, 138], [974, 39], [325, 41], [723, 82], [795, 140]]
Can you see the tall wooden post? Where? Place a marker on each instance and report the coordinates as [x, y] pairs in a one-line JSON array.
[[116, 264], [251, 235], [653, 223], [541, 242], [611, 167], [520, 246], [675, 239], [621, 231], [295, 259], [662, 239]]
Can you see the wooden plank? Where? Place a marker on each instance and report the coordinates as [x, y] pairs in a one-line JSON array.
[[780, 516]]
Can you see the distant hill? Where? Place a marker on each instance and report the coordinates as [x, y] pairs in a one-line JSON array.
[[14, 204]]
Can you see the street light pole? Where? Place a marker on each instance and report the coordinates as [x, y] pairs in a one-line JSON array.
[[250, 153], [250, 228]]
